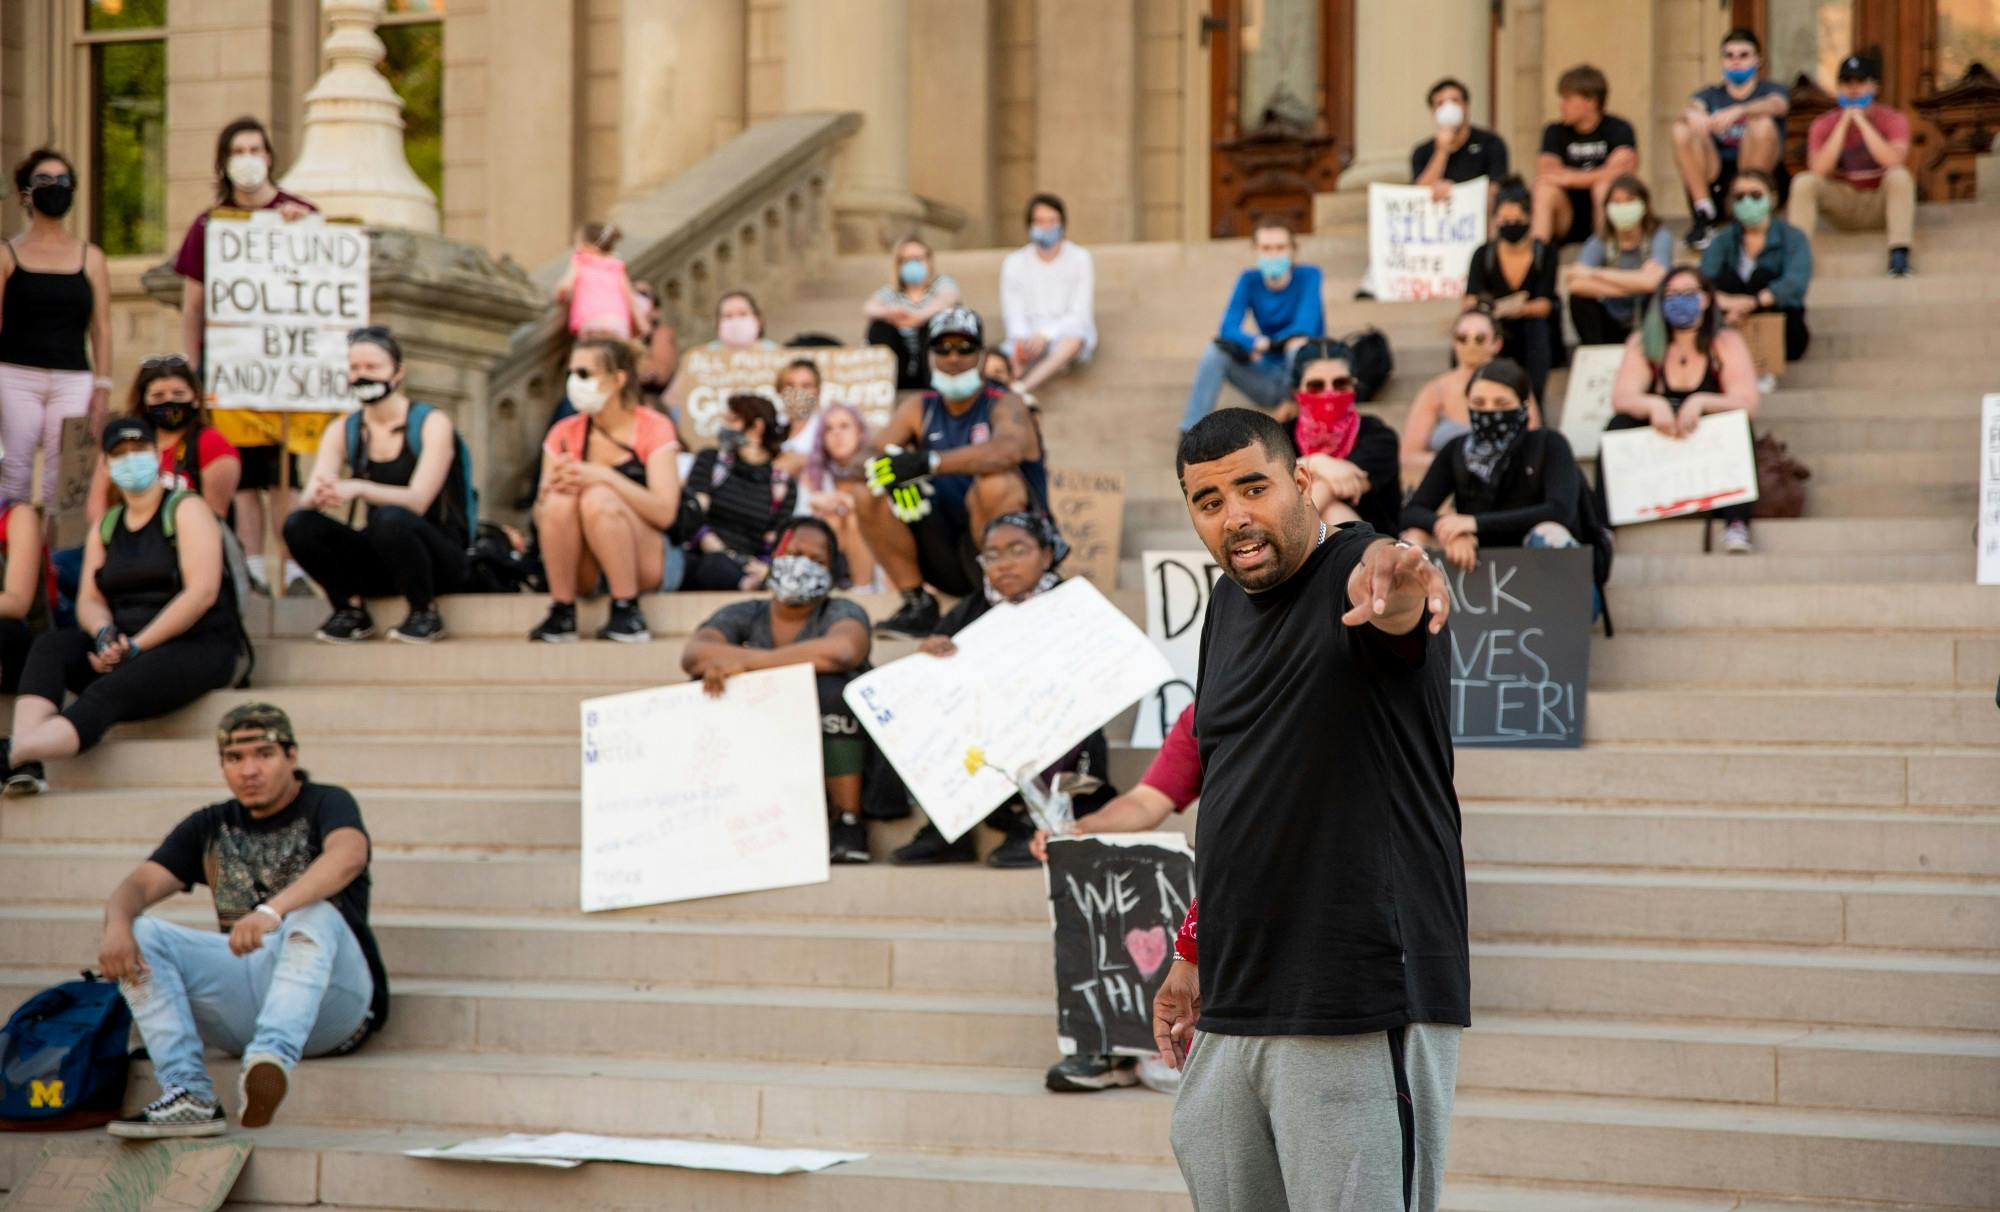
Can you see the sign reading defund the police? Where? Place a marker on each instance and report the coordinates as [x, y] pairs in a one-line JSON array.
[[280, 299], [1117, 900], [1418, 247], [1520, 647]]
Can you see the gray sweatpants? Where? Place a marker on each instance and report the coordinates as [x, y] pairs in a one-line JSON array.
[[1314, 1123]]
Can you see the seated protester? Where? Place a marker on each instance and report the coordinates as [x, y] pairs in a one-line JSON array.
[[611, 488], [1018, 554], [898, 312], [414, 539], [156, 627], [1285, 301], [1857, 165], [1352, 457], [1620, 265], [995, 368], [955, 458], [1048, 289], [659, 345], [193, 454], [798, 388], [1582, 154], [293, 971], [1511, 486], [1514, 276], [1731, 127], [801, 623], [27, 588], [1759, 263], [739, 324], [743, 498], [833, 485], [1459, 151], [1681, 364], [1442, 410]]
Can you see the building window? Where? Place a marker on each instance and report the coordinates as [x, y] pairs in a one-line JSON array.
[[413, 32], [127, 46]]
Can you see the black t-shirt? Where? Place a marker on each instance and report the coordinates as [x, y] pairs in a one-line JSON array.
[[248, 861], [1327, 852], [743, 503], [749, 624], [1486, 278], [1483, 154], [1588, 151]]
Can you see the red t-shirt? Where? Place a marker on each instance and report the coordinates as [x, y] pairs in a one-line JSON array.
[[1856, 166], [1176, 768], [209, 446], [192, 260]]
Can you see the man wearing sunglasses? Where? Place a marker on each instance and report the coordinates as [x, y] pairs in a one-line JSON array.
[[948, 462], [1284, 299], [1736, 125]]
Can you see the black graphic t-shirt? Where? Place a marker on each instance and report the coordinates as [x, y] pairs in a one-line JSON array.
[[246, 862], [1587, 151]]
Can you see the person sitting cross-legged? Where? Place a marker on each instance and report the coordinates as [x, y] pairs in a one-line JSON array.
[[293, 972], [1620, 265], [1048, 292], [1760, 263]]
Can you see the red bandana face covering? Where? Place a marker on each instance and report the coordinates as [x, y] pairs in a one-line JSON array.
[[1327, 423]]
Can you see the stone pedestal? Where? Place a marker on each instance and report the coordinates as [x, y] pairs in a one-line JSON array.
[[855, 55], [1400, 50]]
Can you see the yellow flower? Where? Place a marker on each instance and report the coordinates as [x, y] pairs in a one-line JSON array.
[[975, 757]]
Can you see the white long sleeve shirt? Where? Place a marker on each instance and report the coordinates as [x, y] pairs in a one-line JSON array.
[[1051, 299]]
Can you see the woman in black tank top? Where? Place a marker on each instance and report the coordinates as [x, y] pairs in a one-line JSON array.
[[54, 293], [1681, 364]]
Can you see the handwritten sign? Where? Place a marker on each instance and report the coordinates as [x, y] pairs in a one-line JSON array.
[[69, 522], [1117, 900], [1178, 584], [1027, 684], [864, 377], [1764, 333], [1520, 647], [279, 300], [1989, 491], [1587, 403], [1649, 476], [158, 1175], [685, 796], [1090, 511], [1419, 248]]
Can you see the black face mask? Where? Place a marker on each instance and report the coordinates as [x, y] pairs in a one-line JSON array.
[[1498, 428], [370, 391], [1513, 233], [53, 200], [173, 415]]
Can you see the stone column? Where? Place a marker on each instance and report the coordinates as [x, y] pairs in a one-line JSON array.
[[1402, 47], [1086, 119], [683, 94], [351, 162], [855, 55]]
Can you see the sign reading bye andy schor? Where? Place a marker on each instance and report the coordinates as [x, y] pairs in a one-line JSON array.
[[1418, 247], [1117, 900], [279, 301], [1520, 647]]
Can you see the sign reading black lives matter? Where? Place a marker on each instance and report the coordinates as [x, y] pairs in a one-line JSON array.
[[1118, 900], [1520, 647], [280, 300]]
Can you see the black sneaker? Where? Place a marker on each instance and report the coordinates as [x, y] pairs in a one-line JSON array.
[[26, 779], [915, 619], [1086, 1074], [174, 1113], [1700, 232], [627, 625], [1014, 852], [1899, 263], [849, 841], [346, 625], [929, 846], [419, 627], [559, 627]]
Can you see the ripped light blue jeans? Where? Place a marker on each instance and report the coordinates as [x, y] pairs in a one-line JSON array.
[[305, 992]]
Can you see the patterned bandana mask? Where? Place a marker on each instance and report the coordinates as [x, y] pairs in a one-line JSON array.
[[796, 580], [1493, 437]]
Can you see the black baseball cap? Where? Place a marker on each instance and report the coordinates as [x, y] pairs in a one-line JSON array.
[[128, 429], [957, 322], [1859, 67]]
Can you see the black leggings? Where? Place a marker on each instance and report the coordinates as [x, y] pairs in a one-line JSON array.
[[15, 640], [913, 364], [1595, 325], [153, 683], [397, 554], [1728, 513], [714, 570], [1797, 336]]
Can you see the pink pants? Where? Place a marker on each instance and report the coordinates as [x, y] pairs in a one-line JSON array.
[[34, 403]]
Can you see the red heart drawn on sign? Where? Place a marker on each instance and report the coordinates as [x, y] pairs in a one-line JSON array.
[[1148, 949]]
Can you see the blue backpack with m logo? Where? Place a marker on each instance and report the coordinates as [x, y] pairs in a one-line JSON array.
[[64, 1055]]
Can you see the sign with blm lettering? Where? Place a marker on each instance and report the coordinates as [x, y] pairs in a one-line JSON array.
[[278, 302], [1520, 647], [863, 376], [1419, 248], [1117, 901], [1089, 508]]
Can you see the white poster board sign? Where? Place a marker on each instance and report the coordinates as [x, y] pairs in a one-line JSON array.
[[1027, 684], [279, 300], [568, 1150], [863, 376], [1649, 476], [1587, 403], [1178, 584], [686, 796], [1989, 490], [1418, 247]]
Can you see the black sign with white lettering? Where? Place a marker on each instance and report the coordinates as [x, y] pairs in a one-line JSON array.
[[1117, 903], [1520, 647]]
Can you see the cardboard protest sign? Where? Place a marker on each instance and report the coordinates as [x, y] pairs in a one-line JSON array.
[[1090, 511], [1028, 683], [686, 796], [1649, 476], [69, 521], [1117, 901], [1419, 248], [864, 377], [1764, 333], [279, 300], [1989, 491], [1587, 403], [1177, 587], [154, 1176], [1520, 647]]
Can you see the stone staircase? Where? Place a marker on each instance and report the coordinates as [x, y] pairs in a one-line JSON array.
[[1740, 952]]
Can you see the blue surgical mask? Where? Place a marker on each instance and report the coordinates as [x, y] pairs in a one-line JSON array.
[[913, 272], [1740, 75], [1861, 102], [1046, 237], [959, 386], [1274, 268], [137, 471], [1681, 310]]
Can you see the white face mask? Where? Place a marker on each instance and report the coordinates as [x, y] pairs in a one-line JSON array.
[[248, 170], [1450, 115], [589, 395]]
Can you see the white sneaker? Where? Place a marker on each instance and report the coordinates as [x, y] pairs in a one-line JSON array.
[[260, 1087], [1736, 539], [1156, 1074]]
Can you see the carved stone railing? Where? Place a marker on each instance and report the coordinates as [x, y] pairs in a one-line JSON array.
[[752, 216]]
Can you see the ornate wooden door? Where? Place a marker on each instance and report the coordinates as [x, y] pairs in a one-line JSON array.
[[1281, 108]]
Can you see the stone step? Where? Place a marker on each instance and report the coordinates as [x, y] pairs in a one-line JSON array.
[[1771, 568], [511, 615], [1805, 716], [1765, 660]]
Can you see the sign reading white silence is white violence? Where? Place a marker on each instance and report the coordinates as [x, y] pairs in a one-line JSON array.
[[1418, 247], [278, 302]]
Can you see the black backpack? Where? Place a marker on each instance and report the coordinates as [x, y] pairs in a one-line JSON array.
[[1371, 360]]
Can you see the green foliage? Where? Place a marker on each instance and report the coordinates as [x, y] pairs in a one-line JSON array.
[[124, 14], [415, 67], [129, 162]]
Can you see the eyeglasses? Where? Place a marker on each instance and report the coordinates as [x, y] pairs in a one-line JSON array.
[[51, 179], [955, 349], [1343, 383], [1012, 551], [166, 362], [1751, 193], [1470, 338]]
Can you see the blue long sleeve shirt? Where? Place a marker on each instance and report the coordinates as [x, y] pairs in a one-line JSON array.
[[1296, 311]]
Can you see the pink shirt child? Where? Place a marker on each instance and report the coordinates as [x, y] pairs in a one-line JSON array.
[[600, 294]]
